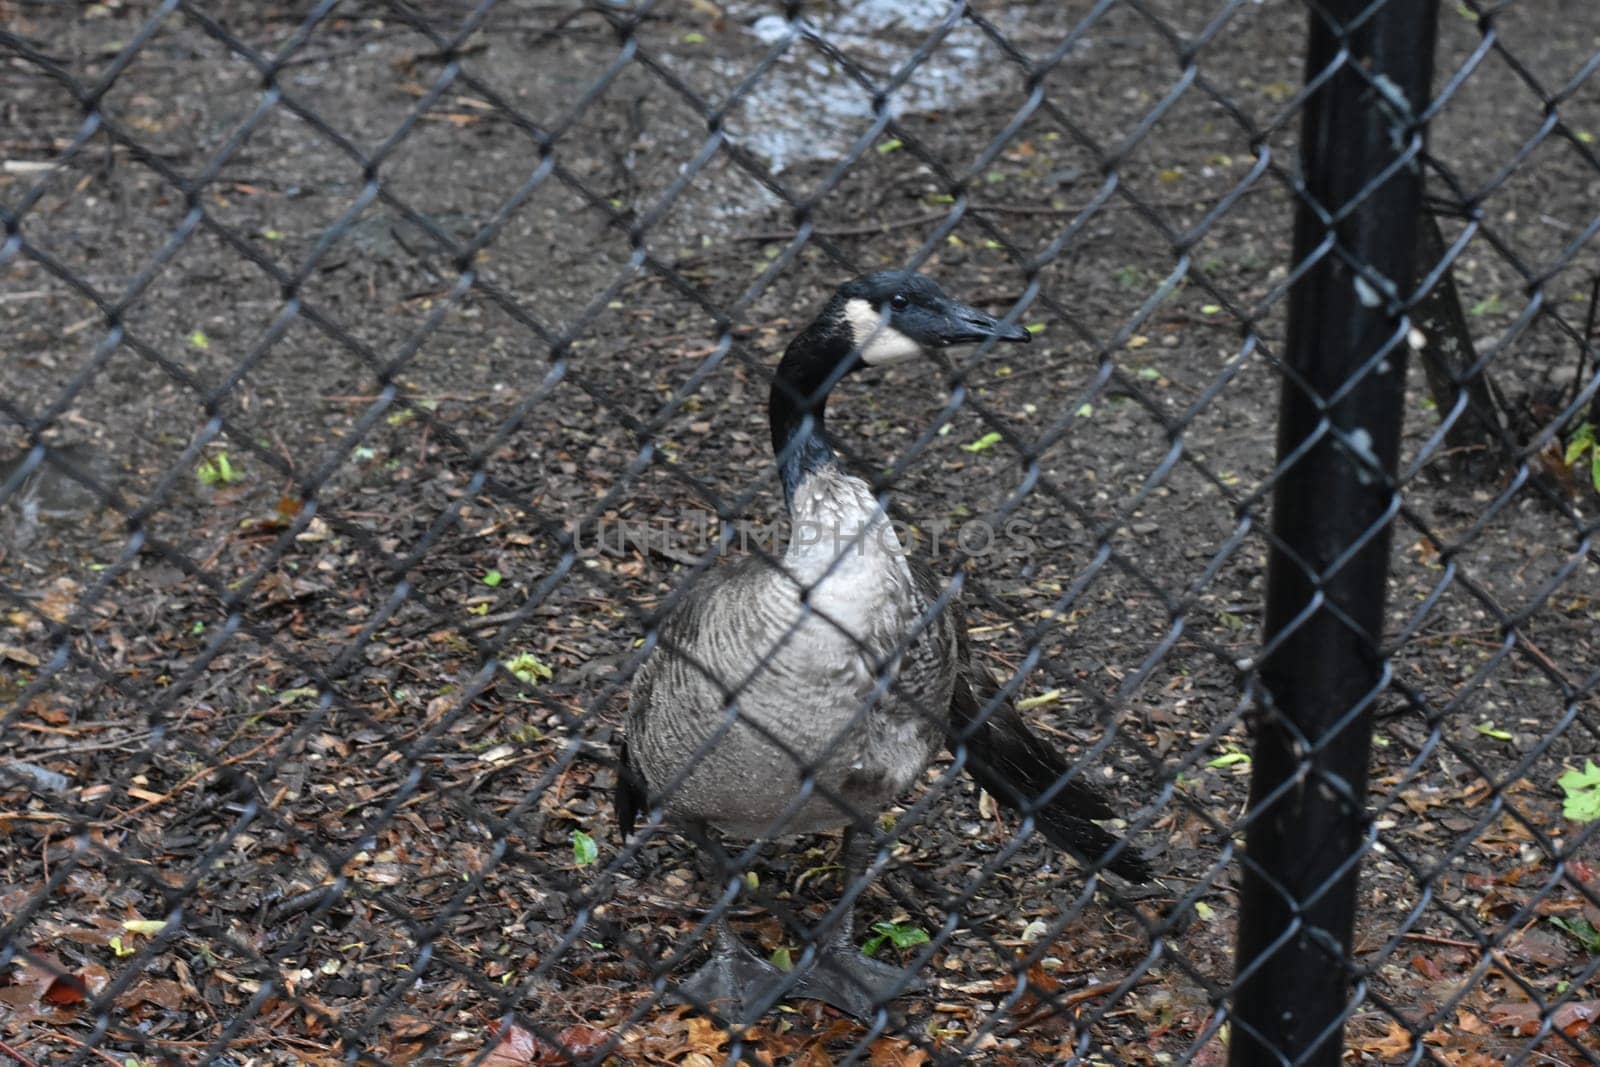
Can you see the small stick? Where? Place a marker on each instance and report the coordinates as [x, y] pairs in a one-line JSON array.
[[14, 1054], [1435, 939], [195, 777], [1088, 992], [86, 1047]]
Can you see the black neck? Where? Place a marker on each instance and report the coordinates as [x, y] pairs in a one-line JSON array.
[[797, 407]]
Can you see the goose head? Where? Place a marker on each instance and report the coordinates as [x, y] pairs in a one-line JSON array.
[[894, 315], [877, 320], [871, 321]]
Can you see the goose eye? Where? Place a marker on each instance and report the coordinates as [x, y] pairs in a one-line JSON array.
[[899, 301]]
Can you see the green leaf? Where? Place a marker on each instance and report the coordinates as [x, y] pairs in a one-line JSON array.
[[529, 669], [1594, 468], [217, 471], [1582, 792], [1210, 309], [1581, 442], [694, 38], [988, 440], [1035, 328], [901, 935], [492, 578], [1489, 305], [199, 340], [781, 960], [1149, 374], [893, 144], [1582, 931], [1488, 729], [1229, 759], [584, 850], [147, 927], [1085, 411]]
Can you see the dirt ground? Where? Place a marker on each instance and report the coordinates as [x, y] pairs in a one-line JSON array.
[[328, 368]]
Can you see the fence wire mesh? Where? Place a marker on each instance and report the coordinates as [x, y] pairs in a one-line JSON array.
[[378, 375]]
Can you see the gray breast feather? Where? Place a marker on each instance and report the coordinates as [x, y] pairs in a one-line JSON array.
[[750, 693]]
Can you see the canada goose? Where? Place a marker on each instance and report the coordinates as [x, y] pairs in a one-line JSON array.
[[807, 694]]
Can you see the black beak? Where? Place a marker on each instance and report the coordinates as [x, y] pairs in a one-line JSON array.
[[967, 325]]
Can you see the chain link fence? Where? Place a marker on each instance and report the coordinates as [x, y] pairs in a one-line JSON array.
[[378, 377]]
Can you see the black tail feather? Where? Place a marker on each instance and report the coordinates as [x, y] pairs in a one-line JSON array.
[[1017, 767], [631, 794]]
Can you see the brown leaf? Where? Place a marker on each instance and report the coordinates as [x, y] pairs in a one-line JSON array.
[[46, 980], [1426, 967], [582, 1042], [1518, 1018], [516, 1048], [1573, 1017], [896, 1052], [47, 711], [704, 1036], [410, 1028], [65, 990], [1397, 1042], [162, 992], [58, 599]]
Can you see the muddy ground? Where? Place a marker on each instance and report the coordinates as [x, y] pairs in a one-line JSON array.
[[327, 368]]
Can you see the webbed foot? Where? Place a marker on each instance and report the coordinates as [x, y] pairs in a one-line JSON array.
[[735, 983], [852, 982]]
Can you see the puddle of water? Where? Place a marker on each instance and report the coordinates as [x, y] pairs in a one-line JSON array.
[[807, 108]]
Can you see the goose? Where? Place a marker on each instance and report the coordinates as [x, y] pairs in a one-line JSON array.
[[808, 693]]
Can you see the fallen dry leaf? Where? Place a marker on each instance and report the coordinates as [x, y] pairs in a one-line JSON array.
[[1397, 1042], [582, 1042], [1518, 1018], [516, 1048], [410, 1028], [1573, 1017], [162, 992], [704, 1037], [1426, 967], [896, 1052], [55, 984]]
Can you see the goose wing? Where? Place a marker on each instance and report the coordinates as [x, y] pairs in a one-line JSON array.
[[1018, 767]]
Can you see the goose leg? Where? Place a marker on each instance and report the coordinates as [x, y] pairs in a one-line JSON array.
[[842, 976], [734, 982]]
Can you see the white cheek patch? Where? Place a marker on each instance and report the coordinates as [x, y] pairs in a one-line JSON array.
[[879, 342]]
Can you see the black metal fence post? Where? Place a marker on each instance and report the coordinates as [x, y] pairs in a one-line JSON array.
[[1339, 436]]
